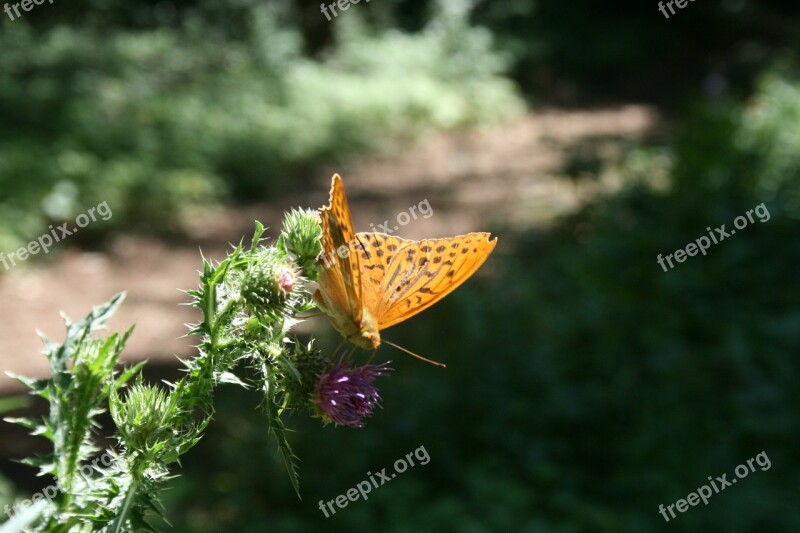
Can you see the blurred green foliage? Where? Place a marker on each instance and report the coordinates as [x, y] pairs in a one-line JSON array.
[[724, 150], [162, 119], [585, 51]]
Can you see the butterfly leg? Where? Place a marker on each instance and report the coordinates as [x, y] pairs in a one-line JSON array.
[[346, 356], [338, 348]]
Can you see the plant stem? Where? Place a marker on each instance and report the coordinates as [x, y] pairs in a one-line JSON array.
[[119, 522]]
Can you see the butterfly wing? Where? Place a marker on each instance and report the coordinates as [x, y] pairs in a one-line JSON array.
[[414, 275], [339, 277], [375, 251]]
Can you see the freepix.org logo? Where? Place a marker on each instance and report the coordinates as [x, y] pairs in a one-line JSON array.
[[403, 218], [363, 488], [343, 5], [668, 5], [714, 237], [56, 235], [26, 5], [719, 484], [49, 493]]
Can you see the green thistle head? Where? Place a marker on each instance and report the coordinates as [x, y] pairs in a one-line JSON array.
[[268, 283], [301, 236], [309, 364], [144, 418]]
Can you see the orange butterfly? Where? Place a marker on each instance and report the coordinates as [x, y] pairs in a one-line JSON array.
[[371, 281]]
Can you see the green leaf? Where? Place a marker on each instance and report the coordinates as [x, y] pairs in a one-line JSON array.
[[257, 236], [127, 374], [278, 429], [17, 402], [231, 379], [37, 386], [29, 423]]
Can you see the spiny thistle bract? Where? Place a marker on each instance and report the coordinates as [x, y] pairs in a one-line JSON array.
[[249, 302]]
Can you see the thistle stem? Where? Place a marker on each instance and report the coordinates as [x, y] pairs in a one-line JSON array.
[[130, 496]]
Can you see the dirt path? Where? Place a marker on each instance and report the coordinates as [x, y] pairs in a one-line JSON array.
[[508, 175]]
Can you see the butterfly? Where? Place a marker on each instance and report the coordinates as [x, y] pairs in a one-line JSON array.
[[369, 282]]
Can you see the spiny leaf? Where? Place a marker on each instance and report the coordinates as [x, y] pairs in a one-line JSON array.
[[257, 236], [231, 379], [279, 431], [37, 386]]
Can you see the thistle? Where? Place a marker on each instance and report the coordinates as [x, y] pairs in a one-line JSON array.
[[301, 236], [308, 364], [346, 396], [249, 303], [268, 282]]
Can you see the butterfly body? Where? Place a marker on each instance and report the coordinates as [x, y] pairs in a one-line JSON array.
[[371, 281], [363, 333]]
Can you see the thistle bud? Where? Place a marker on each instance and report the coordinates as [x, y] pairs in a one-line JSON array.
[[287, 277], [268, 282], [301, 236], [310, 363], [143, 417]]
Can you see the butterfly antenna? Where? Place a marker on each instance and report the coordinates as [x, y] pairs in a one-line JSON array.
[[409, 352]]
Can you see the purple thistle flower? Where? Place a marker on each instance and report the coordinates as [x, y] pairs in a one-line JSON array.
[[346, 396]]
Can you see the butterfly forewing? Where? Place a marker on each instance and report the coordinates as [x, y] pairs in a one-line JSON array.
[[340, 277], [376, 250], [419, 273]]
